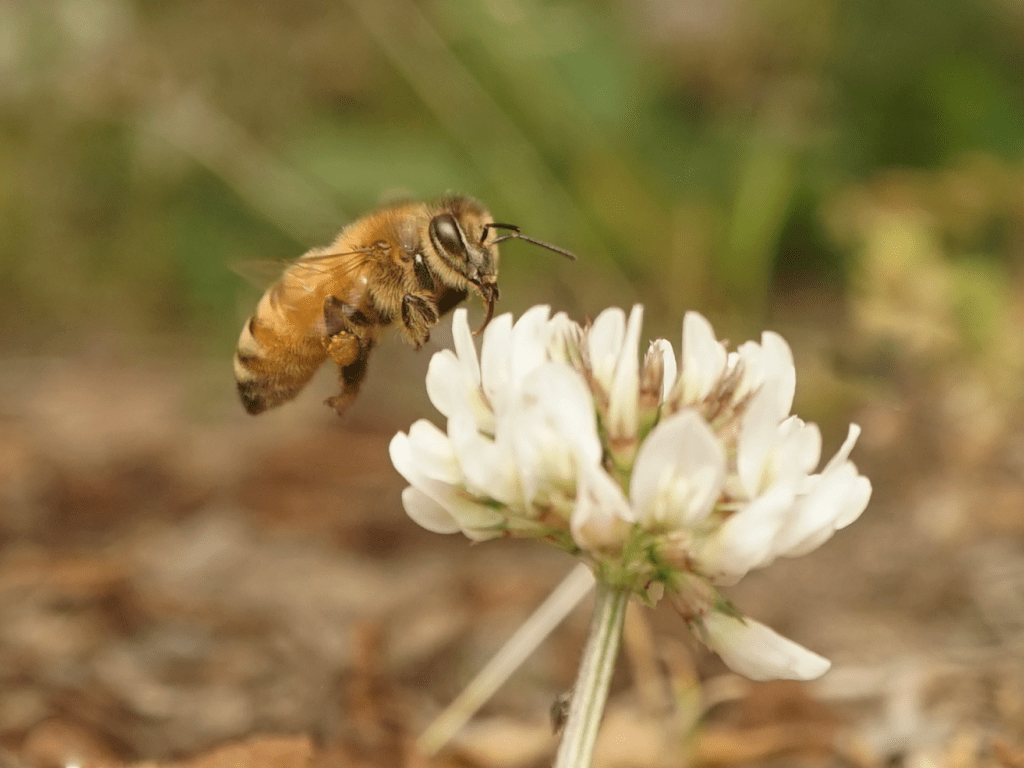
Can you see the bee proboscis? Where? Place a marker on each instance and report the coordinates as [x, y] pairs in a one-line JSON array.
[[408, 263]]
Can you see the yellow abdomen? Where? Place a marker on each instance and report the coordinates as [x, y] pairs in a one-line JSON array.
[[282, 344]]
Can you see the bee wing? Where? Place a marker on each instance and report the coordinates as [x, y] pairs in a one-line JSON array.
[[342, 269], [259, 273], [262, 273]]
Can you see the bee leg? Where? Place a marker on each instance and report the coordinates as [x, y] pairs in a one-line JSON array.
[[351, 378], [419, 315], [342, 342], [349, 346], [342, 348]]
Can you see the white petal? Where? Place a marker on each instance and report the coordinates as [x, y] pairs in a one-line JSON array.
[[830, 501], [452, 376], [552, 428], [747, 539], [529, 343], [432, 453], [602, 517], [625, 389], [836, 499], [778, 362], [663, 348], [465, 349], [401, 457], [604, 343], [748, 356], [476, 519], [488, 464], [445, 383], [758, 652], [427, 513], [857, 498], [564, 336], [758, 436], [844, 450], [453, 381], [704, 358], [799, 448], [496, 361], [678, 473], [561, 394]]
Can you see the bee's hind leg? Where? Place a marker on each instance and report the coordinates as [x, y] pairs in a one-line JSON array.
[[348, 345], [351, 378]]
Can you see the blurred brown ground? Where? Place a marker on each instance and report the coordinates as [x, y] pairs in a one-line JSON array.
[[248, 592]]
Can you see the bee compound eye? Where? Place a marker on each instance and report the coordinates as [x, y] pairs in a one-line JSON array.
[[445, 232]]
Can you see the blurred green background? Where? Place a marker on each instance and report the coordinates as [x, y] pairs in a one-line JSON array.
[[741, 157]]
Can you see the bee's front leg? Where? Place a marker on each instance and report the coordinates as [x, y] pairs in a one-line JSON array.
[[419, 315]]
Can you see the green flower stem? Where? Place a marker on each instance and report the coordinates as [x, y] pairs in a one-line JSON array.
[[594, 677]]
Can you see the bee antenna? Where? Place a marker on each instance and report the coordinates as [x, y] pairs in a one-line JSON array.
[[517, 235], [499, 225]]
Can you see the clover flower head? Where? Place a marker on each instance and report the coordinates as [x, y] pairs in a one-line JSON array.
[[668, 476]]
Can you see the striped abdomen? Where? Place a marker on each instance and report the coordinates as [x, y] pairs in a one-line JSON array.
[[278, 351]]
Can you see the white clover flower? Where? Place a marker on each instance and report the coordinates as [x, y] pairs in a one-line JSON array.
[[666, 476]]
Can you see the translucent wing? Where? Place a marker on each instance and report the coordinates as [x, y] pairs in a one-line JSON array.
[[340, 275], [260, 273], [338, 267]]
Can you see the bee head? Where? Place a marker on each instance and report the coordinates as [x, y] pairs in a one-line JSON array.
[[461, 233], [459, 236]]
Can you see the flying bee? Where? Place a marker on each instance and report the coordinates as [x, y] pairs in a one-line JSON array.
[[408, 263]]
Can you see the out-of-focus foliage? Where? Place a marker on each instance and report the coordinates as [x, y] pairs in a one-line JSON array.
[[694, 154]]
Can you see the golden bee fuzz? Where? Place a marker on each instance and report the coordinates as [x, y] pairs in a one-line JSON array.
[[409, 263]]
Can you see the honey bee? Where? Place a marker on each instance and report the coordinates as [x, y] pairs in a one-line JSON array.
[[411, 263]]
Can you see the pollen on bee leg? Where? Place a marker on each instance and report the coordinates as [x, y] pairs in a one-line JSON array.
[[343, 348]]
